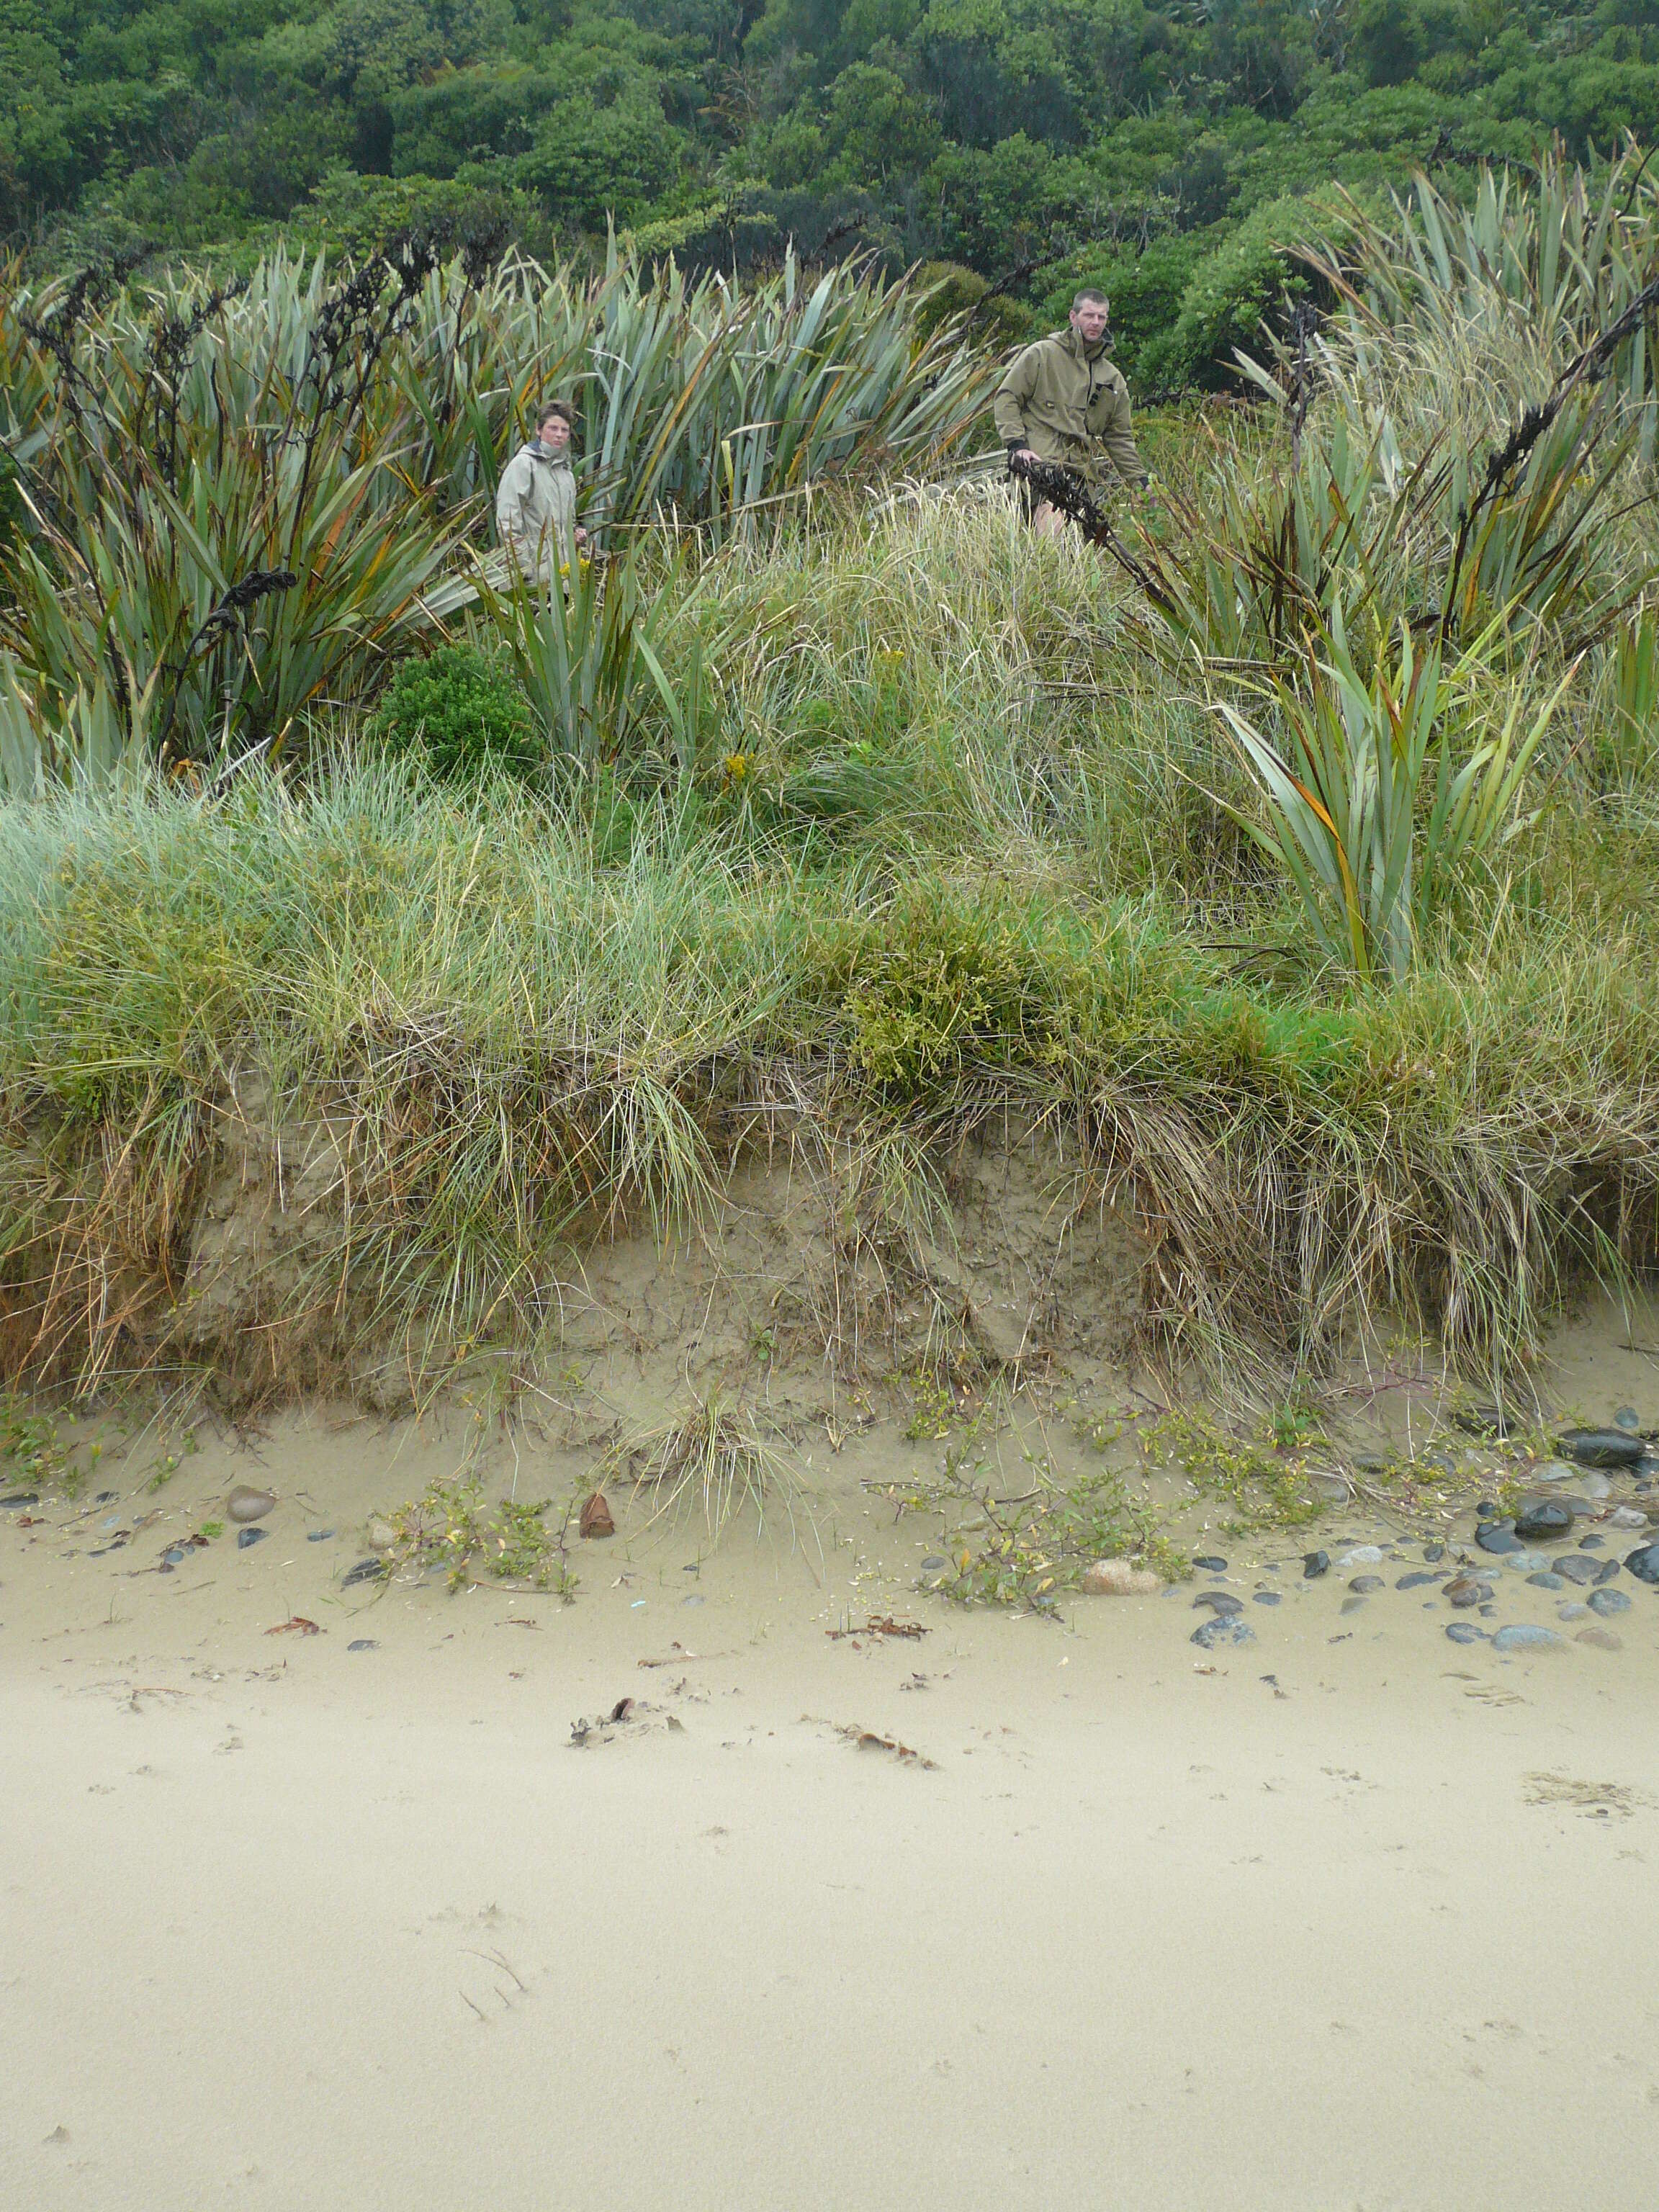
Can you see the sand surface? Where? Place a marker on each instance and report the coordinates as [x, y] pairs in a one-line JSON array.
[[1352, 1917]]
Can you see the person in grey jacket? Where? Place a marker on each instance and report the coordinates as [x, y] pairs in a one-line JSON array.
[[536, 499]]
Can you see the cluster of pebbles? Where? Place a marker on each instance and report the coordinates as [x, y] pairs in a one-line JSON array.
[[1568, 1536]]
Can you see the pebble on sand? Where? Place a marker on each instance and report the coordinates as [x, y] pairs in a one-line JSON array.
[[1602, 1639], [1363, 1585], [1210, 1565], [1543, 1579], [1117, 1578], [1224, 1629], [246, 1505], [1644, 1563], [1542, 1519], [363, 1643], [1601, 1447], [1315, 1563], [1607, 1602], [246, 1536], [1420, 1580], [1465, 1631], [1465, 1590], [1361, 1555], [1497, 1536], [381, 1535], [1219, 1602], [1524, 1635]]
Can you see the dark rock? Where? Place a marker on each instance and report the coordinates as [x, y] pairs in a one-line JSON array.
[[1591, 1543], [1541, 1520], [1628, 1419], [1601, 1447], [1575, 1568], [1465, 1631], [363, 1643], [932, 1564], [318, 1535], [1220, 1602], [1265, 1597], [1212, 1566], [1363, 1585], [176, 1555], [1483, 1421], [1485, 1509], [1545, 1580], [1418, 1581], [366, 1571], [22, 1498], [1571, 1612], [1315, 1563], [1607, 1602], [1524, 1635], [1432, 1552], [246, 1536], [1223, 1630], [106, 1498], [1497, 1536], [1465, 1590], [1607, 1571], [1643, 1564], [1488, 1611]]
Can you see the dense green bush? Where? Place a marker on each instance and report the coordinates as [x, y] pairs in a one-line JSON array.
[[460, 712]]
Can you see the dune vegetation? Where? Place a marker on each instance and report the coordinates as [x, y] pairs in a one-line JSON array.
[[1290, 849]]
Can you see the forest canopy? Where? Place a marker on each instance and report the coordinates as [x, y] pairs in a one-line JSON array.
[[1169, 151]]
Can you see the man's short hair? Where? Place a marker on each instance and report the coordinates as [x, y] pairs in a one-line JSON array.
[[556, 407], [1090, 297]]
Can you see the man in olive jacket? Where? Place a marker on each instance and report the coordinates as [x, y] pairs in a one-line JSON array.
[[1063, 400], [536, 500]]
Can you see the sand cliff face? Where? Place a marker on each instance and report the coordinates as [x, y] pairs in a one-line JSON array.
[[284, 1264]]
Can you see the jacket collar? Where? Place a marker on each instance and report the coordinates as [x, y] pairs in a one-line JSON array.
[[538, 452], [1087, 354]]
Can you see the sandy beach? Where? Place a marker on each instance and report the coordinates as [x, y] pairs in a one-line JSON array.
[[393, 1914]]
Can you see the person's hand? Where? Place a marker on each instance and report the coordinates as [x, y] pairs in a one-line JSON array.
[[1023, 453], [582, 535]]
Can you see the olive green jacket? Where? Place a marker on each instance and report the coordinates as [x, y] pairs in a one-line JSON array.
[[536, 510], [1068, 403]]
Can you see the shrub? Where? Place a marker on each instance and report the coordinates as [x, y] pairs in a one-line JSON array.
[[461, 713]]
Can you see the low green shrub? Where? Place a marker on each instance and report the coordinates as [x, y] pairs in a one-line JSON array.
[[460, 712]]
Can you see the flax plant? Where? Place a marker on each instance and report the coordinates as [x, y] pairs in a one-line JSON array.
[[1385, 789]]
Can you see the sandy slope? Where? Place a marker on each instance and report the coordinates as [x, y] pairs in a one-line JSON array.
[[1367, 1923]]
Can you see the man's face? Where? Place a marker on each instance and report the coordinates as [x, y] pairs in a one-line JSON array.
[[1090, 321], [554, 433]]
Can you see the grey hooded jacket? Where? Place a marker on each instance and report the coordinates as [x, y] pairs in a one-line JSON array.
[[536, 512]]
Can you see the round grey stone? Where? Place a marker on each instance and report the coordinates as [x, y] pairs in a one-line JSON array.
[[1524, 1635], [1607, 1602]]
